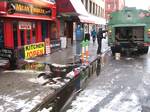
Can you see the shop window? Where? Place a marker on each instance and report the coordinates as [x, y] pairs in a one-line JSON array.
[[1, 33], [28, 37], [22, 37], [93, 8], [53, 33], [33, 32], [15, 34], [44, 30], [90, 6], [86, 5]]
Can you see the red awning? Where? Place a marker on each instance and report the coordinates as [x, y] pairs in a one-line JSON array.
[[71, 7], [76, 8]]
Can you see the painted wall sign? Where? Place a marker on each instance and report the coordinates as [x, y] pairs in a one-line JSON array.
[[25, 25], [26, 8], [34, 50]]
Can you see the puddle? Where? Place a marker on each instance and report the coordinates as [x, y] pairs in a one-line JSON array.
[[33, 66]]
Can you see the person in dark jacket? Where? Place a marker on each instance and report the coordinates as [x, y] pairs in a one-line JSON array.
[[93, 34], [99, 39]]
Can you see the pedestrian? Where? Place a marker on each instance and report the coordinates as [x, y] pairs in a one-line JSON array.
[[93, 34], [79, 34], [99, 39]]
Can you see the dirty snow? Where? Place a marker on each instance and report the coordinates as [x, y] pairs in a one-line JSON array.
[[124, 101], [87, 100], [22, 71], [12, 103]]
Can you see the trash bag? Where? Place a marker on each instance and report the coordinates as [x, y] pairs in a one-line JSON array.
[[60, 70]]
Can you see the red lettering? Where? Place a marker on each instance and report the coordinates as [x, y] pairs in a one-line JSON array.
[[35, 53], [38, 52]]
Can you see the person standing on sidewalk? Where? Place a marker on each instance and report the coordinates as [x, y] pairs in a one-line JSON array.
[[99, 39], [93, 34], [79, 37]]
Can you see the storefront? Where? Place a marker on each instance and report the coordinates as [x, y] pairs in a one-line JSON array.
[[26, 24], [71, 13]]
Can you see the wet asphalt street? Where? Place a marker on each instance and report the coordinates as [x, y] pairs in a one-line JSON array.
[[122, 86]]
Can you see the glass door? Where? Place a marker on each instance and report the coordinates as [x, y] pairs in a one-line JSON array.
[[26, 32], [22, 37]]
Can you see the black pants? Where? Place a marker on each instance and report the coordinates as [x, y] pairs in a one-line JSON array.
[[94, 39]]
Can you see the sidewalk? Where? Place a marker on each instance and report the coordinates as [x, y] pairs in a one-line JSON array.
[[65, 56], [23, 91]]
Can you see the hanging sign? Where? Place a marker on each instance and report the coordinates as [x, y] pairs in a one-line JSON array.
[[25, 25], [47, 45]]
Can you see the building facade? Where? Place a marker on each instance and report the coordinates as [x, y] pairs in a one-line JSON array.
[[25, 25], [85, 13], [95, 7], [113, 5]]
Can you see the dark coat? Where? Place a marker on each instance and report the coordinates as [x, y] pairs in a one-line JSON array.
[[100, 34]]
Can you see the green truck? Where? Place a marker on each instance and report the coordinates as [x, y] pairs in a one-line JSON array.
[[129, 30]]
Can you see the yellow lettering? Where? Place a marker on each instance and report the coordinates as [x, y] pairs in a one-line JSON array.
[[23, 8]]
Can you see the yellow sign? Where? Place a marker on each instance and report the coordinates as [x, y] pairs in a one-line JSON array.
[[34, 50], [29, 9], [25, 8]]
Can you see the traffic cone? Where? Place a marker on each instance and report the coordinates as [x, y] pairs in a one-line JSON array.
[[83, 51]]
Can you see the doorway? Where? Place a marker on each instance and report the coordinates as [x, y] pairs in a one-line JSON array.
[[69, 26]]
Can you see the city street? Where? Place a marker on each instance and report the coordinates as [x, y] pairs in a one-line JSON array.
[[23, 89], [122, 86], [75, 56]]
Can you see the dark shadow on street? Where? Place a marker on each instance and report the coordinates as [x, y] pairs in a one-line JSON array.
[[98, 67]]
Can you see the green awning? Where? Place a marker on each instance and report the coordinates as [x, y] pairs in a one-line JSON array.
[[128, 25]]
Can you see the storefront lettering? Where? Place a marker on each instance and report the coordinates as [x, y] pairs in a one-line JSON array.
[[31, 9], [35, 53], [25, 25], [38, 11], [22, 8], [34, 50], [34, 46]]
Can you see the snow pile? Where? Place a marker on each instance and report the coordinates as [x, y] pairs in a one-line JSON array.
[[46, 110], [23, 71], [12, 103]]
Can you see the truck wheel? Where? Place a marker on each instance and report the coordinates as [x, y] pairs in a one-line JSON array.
[[145, 49]]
